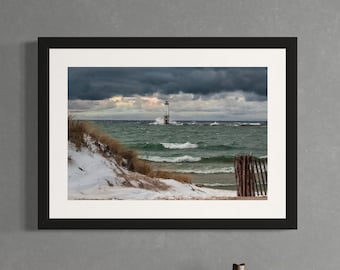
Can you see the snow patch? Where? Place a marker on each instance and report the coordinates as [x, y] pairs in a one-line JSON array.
[[91, 176]]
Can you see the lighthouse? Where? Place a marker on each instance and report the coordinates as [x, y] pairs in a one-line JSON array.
[[166, 113]]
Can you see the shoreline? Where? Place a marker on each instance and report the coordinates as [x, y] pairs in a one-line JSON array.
[[226, 181], [94, 176]]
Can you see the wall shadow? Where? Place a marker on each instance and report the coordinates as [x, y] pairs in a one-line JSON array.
[[31, 135]]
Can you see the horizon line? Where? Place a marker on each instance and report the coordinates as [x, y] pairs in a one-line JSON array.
[[148, 120]]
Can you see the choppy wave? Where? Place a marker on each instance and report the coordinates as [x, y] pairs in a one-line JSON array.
[[187, 158], [220, 147], [186, 145], [180, 159], [176, 123], [217, 159], [160, 121], [163, 146], [209, 171], [250, 124], [147, 146], [179, 146]]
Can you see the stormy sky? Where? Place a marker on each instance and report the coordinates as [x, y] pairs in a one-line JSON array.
[[194, 93]]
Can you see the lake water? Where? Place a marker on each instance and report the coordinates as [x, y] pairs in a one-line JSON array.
[[206, 150]]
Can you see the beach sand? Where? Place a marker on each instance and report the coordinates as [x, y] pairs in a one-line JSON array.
[[214, 180]]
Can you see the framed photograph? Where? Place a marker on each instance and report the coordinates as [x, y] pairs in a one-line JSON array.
[[167, 133]]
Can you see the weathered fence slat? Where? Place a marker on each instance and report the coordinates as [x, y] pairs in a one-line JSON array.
[[251, 175]]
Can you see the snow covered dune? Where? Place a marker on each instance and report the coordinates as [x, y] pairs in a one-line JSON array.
[[94, 176]]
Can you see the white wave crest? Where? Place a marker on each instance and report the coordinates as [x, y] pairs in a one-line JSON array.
[[185, 158], [176, 123], [250, 124], [209, 171], [158, 121], [186, 145]]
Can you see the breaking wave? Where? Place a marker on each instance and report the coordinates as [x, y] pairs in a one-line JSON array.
[[208, 171], [217, 159], [186, 145], [250, 124], [158, 121], [179, 146], [185, 158]]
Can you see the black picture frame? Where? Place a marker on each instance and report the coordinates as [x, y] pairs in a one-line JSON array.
[[287, 43]]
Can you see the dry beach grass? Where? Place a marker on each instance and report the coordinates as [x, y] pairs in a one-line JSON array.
[[79, 130]]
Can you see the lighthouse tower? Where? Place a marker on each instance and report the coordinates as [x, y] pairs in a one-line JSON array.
[[166, 113]]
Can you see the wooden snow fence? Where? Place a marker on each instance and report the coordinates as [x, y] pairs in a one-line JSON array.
[[251, 176]]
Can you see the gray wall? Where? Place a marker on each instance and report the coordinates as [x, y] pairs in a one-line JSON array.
[[315, 245]]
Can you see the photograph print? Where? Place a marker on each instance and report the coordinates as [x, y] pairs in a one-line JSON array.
[[167, 133]]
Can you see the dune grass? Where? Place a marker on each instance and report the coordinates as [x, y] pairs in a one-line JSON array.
[[180, 177], [78, 131]]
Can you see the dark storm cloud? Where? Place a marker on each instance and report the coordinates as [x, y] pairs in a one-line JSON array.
[[93, 83]]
